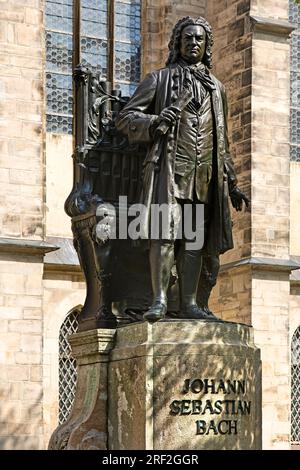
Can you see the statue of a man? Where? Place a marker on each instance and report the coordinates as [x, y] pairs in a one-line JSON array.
[[180, 111]]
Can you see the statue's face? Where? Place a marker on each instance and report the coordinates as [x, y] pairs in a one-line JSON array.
[[192, 43]]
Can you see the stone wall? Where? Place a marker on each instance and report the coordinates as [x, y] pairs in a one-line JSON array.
[[294, 320], [59, 168], [232, 56], [254, 66], [21, 217], [270, 319], [270, 167], [270, 8], [270, 155], [294, 209], [21, 326], [62, 293], [232, 60], [253, 62], [22, 114], [158, 19], [231, 299]]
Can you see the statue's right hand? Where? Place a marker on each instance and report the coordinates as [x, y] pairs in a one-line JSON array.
[[169, 115]]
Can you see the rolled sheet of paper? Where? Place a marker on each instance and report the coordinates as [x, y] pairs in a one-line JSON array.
[[179, 105]]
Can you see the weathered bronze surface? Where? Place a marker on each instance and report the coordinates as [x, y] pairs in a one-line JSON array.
[[167, 145]]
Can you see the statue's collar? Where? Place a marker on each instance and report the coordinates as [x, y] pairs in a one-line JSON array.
[[199, 71], [193, 67]]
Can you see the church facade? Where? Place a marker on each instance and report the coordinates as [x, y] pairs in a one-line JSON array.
[[256, 55]]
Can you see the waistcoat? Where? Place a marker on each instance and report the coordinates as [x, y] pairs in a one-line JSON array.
[[193, 162]]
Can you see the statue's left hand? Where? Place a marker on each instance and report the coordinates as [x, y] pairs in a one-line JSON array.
[[237, 197]]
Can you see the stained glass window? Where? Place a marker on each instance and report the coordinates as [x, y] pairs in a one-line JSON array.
[[127, 45], [108, 43], [94, 35]]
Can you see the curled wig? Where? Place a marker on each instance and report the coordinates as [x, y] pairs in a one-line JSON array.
[[174, 44]]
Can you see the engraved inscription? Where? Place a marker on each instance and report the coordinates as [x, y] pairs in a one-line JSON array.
[[226, 408]]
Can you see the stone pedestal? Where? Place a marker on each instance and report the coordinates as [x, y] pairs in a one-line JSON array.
[[86, 427], [184, 385], [171, 385]]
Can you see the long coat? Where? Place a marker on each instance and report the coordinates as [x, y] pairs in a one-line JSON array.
[[157, 91]]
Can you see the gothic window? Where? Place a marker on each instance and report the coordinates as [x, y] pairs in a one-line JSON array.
[[107, 36], [59, 53], [295, 384], [127, 45], [67, 375], [294, 17]]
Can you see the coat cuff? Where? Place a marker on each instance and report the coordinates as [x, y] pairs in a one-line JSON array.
[[140, 129]]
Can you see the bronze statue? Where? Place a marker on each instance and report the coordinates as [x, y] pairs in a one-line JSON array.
[[180, 112]]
